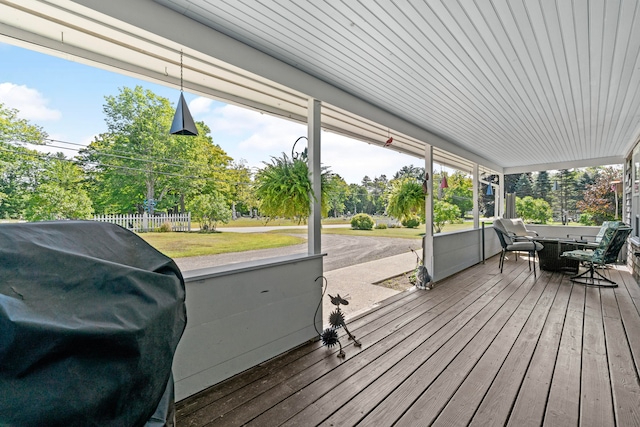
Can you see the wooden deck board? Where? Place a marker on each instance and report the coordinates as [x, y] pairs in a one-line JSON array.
[[482, 348]]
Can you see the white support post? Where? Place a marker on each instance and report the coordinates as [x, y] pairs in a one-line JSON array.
[[313, 152], [499, 206], [476, 194], [427, 242]]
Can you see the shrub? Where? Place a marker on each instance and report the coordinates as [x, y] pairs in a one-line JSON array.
[[165, 227], [381, 226], [362, 222], [411, 222], [586, 219]]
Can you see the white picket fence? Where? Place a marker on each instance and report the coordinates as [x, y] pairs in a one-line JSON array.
[[146, 222]]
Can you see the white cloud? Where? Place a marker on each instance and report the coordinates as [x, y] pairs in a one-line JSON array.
[[200, 105], [30, 103]]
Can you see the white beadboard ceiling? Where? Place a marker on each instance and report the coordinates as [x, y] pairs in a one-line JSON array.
[[515, 85], [520, 82]]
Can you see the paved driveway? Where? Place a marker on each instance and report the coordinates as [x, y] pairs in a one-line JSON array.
[[342, 251]]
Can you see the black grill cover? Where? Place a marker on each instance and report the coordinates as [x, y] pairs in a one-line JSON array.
[[90, 317]]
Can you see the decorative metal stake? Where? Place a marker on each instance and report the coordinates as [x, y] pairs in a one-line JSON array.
[[329, 336]]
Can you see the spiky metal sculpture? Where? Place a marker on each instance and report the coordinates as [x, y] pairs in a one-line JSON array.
[[336, 318], [329, 336]]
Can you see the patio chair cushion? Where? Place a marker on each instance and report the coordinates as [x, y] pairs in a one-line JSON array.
[[524, 246], [517, 227]]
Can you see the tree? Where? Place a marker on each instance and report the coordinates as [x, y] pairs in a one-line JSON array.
[[243, 197], [60, 194], [18, 131], [567, 194], [533, 210], [406, 199], [19, 166], [524, 186], [459, 192], [209, 210], [542, 187], [283, 188], [138, 161], [338, 195], [600, 197], [444, 212], [356, 198], [510, 182], [410, 171]]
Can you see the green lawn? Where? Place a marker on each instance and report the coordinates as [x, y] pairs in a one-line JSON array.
[[178, 245]]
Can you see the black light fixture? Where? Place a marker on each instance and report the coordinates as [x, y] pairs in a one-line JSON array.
[[183, 123]]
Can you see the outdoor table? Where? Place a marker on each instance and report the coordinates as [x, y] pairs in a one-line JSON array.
[[549, 256]]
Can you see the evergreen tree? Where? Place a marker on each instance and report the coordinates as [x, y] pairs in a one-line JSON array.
[[524, 186], [542, 187]]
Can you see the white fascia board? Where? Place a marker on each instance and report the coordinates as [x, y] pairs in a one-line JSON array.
[[600, 161]]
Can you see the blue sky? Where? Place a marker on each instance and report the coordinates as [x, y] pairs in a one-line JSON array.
[[65, 98]]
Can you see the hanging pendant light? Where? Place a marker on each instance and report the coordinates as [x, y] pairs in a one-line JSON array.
[[489, 190], [183, 123]]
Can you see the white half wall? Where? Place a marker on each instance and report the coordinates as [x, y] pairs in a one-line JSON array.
[[243, 314], [453, 252]]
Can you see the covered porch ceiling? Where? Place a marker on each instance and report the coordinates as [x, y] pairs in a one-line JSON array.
[[515, 86]]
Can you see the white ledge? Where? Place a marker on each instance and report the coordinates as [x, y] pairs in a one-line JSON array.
[[241, 267]]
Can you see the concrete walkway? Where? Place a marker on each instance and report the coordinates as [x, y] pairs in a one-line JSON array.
[[355, 283]]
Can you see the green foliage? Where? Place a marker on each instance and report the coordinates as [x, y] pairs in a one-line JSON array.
[[586, 219], [444, 212], [338, 195], [542, 187], [412, 172], [209, 210], [381, 226], [60, 194], [284, 189], [357, 198], [137, 159], [524, 186], [18, 131], [411, 222], [598, 198], [406, 199], [459, 192], [533, 210], [374, 199], [362, 221], [20, 167]]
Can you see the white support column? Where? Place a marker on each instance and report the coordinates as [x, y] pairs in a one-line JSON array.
[[314, 236], [499, 194], [476, 194], [427, 242]]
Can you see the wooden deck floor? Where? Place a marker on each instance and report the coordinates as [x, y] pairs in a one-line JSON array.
[[482, 348]]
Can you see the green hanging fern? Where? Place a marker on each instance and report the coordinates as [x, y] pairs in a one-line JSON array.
[[284, 189]]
